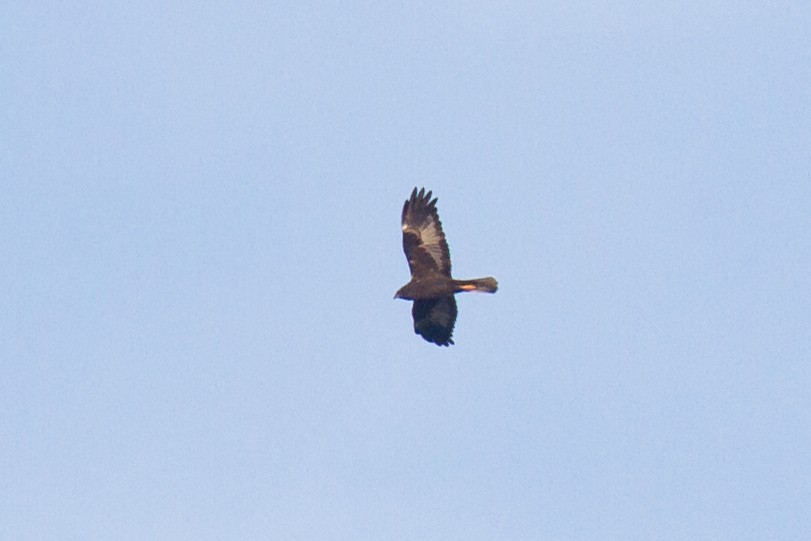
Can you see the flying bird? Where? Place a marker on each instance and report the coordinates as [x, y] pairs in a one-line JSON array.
[[432, 287]]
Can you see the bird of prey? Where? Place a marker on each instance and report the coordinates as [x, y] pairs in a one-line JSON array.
[[432, 287]]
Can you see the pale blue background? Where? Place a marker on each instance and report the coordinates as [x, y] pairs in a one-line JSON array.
[[199, 244]]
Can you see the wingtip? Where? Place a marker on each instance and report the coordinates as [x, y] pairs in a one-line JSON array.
[[421, 194]]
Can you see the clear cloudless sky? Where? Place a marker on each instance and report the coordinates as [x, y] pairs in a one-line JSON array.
[[200, 241]]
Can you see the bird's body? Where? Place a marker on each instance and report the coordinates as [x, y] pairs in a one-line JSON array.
[[432, 287], [435, 286]]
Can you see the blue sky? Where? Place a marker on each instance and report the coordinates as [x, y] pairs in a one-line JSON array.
[[200, 241]]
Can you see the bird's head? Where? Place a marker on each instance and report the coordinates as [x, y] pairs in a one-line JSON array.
[[401, 293]]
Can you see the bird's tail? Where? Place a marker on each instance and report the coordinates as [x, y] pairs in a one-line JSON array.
[[487, 285]]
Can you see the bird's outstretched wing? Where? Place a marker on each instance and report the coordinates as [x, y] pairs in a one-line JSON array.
[[434, 319], [424, 242]]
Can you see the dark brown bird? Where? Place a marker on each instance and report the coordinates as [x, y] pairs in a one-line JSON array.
[[432, 287]]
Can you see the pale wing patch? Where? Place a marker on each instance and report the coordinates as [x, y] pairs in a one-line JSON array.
[[431, 240]]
